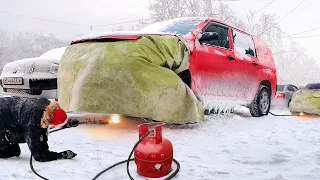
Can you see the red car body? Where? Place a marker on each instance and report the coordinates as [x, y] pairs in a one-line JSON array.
[[222, 73]]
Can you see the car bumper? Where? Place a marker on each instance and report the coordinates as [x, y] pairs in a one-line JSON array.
[[46, 88], [279, 102], [49, 94]]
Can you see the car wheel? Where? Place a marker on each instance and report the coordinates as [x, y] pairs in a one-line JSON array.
[[260, 106]]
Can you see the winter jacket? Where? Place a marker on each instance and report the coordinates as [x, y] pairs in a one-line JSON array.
[[30, 116]]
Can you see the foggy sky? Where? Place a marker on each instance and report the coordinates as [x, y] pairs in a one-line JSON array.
[[101, 12]]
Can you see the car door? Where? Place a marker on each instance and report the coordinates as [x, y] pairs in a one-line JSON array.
[[247, 79], [215, 63]]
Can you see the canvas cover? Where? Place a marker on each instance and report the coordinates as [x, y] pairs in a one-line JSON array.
[[307, 101], [129, 77]]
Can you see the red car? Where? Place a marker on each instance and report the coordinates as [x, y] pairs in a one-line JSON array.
[[227, 65]]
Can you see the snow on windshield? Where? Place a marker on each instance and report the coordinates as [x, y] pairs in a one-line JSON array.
[[177, 26]]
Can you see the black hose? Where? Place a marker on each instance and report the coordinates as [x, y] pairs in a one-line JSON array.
[[281, 114], [34, 171], [31, 165], [129, 159], [134, 148], [125, 161]]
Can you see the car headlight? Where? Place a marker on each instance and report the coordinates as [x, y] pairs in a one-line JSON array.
[[54, 68]]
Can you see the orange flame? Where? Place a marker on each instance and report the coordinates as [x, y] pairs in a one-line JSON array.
[[115, 118]]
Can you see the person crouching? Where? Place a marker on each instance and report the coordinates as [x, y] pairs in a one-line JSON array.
[[27, 120]]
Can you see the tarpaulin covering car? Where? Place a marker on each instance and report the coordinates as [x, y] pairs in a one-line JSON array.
[[130, 77], [306, 100]]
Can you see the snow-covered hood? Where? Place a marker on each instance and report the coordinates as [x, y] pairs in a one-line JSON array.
[[30, 66]]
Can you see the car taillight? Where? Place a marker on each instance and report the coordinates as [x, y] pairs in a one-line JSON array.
[[281, 95]]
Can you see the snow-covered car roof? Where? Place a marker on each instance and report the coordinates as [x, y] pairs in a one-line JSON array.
[[54, 53]]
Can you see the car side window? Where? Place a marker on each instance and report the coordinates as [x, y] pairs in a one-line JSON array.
[[243, 43], [222, 30]]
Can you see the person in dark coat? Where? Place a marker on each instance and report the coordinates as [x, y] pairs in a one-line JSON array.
[[27, 120]]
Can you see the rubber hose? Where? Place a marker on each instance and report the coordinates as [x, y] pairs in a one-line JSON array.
[[117, 164]]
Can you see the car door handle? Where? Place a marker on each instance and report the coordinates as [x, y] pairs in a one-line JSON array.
[[255, 63], [230, 57]]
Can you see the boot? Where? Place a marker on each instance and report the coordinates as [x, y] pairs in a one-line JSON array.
[[10, 151]]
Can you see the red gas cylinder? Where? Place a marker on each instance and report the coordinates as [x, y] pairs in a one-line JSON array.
[[153, 156]]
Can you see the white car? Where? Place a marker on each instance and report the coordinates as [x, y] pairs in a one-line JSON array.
[[33, 77], [284, 95]]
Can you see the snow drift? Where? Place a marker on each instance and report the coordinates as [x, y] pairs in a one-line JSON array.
[[130, 77]]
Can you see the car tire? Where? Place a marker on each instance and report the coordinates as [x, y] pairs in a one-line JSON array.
[[260, 106]]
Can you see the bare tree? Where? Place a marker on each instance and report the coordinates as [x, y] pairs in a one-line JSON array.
[[16, 46], [169, 9]]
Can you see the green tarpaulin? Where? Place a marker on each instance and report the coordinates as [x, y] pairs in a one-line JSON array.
[[307, 101], [129, 77]]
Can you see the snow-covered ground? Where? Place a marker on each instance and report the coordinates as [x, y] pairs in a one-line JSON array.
[[222, 148]]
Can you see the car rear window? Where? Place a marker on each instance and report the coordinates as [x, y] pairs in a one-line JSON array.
[[313, 86], [280, 87]]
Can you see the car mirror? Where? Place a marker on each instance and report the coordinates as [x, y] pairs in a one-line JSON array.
[[209, 36]]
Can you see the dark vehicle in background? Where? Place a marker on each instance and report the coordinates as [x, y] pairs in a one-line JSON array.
[[313, 86], [284, 95]]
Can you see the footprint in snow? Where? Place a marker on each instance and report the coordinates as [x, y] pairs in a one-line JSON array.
[[96, 158], [226, 151], [275, 159], [279, 177], [290, 150], [279, 158], [217, 172], [194, 157], [243, 142]]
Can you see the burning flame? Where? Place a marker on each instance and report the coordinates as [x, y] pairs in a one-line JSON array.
[[115, 118], [301, 114]]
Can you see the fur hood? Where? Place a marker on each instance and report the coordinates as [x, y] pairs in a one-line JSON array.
[[48, 114]]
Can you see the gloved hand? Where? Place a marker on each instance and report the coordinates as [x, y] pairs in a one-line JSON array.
[[67, 154], [72, 123]]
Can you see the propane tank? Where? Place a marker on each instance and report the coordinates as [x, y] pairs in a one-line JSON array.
[[153, 156]]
